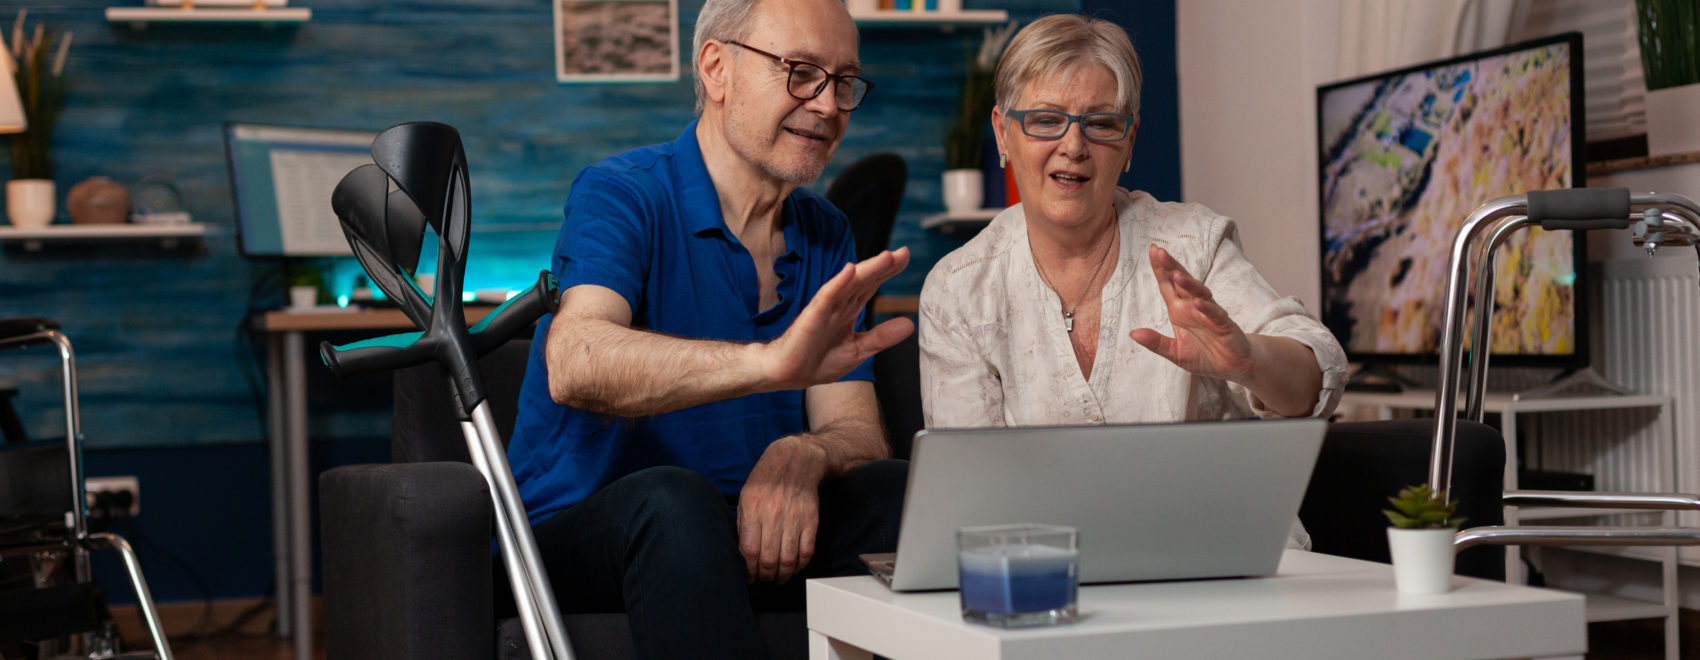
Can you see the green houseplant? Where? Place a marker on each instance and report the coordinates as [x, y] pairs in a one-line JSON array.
[[37, 61], [305, 284], [1669, 36], [964, 143], [1420, 539]]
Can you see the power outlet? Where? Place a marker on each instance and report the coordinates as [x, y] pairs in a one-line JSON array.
[[96, 488]]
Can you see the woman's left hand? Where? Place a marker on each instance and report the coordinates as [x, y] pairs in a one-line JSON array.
[[1207, 342]]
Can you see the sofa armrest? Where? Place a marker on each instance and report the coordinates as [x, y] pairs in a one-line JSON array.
[[407, 561]]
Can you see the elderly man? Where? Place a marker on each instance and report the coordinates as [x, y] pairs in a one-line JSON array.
[[698, 430]]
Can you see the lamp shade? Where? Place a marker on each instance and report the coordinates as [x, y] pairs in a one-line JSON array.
[[12, 119]]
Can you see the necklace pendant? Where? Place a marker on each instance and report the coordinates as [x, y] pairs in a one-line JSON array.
[[1068, 321]]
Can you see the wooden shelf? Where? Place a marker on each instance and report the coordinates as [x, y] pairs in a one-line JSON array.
[[167, 235], [902, 18], [950, 223], [139, 17]]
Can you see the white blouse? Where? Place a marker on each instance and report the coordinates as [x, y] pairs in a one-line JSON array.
[[994, 351]]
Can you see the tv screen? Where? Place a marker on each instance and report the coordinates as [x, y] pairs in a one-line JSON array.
[[1406, 156]]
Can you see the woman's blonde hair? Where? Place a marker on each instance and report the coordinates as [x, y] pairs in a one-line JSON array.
[[1054, 43]]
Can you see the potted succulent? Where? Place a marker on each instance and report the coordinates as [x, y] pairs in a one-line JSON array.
[[1420, 539], [964, 145], [37, 61], [1670, 58]]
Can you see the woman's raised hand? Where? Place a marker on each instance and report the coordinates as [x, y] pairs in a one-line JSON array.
[[1206, 341]]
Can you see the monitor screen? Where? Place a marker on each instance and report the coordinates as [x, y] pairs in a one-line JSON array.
[[1406, 156], [281, 178]]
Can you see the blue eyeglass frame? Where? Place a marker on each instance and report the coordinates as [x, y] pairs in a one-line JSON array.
[[1020, 117]]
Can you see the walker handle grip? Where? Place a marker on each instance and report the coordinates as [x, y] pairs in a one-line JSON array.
[[1580, 208]]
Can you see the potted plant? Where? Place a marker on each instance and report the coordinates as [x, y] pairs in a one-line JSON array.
[[1670, 58], [305, 283], [38, 67], [964, 145], [1420, 539]]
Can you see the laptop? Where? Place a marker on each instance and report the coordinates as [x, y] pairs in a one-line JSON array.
[[1151, 502]]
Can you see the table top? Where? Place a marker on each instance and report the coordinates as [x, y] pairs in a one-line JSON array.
[[1316, 606], [348, 318]]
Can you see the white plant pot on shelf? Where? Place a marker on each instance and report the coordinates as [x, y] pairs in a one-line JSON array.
[[964, 190], [1673, 120], [30, 203], [1422, 559]]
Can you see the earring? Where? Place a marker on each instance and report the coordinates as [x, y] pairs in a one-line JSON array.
[[1003, 161], [1129, 166]]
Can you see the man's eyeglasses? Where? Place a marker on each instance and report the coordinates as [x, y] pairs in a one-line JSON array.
[[808, 80], [1050, 124]]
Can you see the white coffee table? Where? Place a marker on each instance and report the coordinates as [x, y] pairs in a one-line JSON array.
[[1316, 606]]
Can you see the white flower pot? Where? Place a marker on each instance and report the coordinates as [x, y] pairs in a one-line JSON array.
[[964, 190], [29, 203], [303, 296], [1673, 120], [1422, 559]]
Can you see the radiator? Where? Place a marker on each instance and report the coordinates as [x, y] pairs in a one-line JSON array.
[[1646, 336]]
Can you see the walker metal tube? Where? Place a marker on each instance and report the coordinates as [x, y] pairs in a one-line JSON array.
[[1597, 500], [1475, 389], [526, 544], [523, 598], [1451, 357], [1685, 210], [1575, 536]]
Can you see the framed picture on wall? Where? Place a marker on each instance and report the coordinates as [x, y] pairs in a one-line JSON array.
[[616, 40]]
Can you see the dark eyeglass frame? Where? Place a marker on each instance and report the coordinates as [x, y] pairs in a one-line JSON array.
[[828, 78], [1020, 117]]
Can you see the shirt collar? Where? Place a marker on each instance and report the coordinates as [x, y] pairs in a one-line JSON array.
[[698, 201]]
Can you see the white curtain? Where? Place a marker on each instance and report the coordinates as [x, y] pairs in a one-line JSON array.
[[1381, 35]]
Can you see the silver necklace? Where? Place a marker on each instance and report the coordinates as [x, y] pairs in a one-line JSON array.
[[1068, 311]]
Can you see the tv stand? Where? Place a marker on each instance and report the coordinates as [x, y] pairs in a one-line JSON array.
[[1379, 378], [1584, 381]]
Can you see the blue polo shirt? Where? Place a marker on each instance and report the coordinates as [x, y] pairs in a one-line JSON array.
[[647, 225]]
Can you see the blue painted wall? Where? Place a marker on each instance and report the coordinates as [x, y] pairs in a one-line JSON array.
[[168, 377]]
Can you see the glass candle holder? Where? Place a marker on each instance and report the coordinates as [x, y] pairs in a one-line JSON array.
[[1015, 576]]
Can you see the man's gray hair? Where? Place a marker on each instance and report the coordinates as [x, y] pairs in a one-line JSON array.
[[1054, 43], [720, 20]]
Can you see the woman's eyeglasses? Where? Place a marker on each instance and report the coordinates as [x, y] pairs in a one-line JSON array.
[[808, 80], [1050, 124]]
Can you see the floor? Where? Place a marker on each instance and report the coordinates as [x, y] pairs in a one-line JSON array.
[[198, 632], [223, 630]]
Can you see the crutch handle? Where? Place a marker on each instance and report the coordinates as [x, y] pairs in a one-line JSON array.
[[414, 348]]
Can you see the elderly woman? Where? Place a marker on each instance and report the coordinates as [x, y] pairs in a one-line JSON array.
[[1092, 304]]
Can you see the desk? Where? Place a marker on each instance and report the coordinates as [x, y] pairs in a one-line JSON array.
[[286, 381], [1316, 606]]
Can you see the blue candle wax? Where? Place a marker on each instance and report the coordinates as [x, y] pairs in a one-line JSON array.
[[1017, 579]]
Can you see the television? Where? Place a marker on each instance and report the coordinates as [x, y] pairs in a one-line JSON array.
[[1406, 156], [282, 177]]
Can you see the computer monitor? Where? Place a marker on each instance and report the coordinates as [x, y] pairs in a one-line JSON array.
[[281, 178], [1406, 156]]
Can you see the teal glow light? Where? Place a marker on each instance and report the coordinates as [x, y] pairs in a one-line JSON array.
[[1567, 279]]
